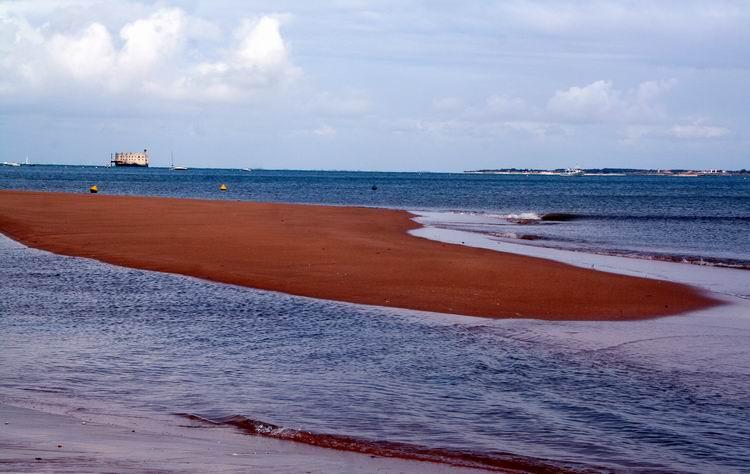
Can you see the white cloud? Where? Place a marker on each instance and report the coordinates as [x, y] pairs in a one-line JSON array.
[[85, 56], [150, 40], [697, 131], [601, 102], [595, 101], [692, 131], [258, 61], [261, 45], [152, 58], [486, 129]]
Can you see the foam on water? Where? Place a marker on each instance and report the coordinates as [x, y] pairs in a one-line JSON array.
[[501, 232]]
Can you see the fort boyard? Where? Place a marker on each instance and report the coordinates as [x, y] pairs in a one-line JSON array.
[[130, 158]]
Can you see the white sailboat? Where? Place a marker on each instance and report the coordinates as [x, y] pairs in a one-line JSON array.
[[173, 167]]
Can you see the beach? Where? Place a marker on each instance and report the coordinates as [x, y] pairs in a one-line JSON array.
[[40, 440], [375, 237], [146, 345], [352, 254]]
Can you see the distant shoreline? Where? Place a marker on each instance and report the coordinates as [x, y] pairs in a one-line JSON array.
[[497, 171], [352, 254], [612, 172]]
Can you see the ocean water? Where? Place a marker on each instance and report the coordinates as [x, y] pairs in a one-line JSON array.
[[665, 395], [702, 220]]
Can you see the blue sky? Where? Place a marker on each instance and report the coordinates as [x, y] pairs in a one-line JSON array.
[[378, 85]]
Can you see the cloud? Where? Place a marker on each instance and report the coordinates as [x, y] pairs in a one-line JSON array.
[[597, 102], [261, 45], [150, 40], [453, 128], [152, 58], [697, 131], [693, 131], [601, 102], [259, 61], [88, 55]]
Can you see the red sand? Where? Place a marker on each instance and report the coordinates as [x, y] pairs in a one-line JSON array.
[[361, 255]]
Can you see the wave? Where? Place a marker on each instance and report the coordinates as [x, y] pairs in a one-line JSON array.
[[523, 216], [517, 236], [693, 260], [503, 462], [559, 217], [581, 246], [564, 217], [532, 217]]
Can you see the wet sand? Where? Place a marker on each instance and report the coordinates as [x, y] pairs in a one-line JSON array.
[[359, 255], [35, 440]]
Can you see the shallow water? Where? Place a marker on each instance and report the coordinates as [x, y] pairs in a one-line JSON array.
[[667, 394], [697, 219]]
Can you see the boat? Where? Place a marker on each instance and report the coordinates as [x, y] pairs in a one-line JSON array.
[[173, 167], [247, 169], [572, 172], [10, 163]]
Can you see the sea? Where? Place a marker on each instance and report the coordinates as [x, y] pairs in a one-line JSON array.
[[663, 395]]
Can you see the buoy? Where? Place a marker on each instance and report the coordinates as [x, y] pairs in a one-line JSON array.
[[93, 189], [223, 187], [374, 188]]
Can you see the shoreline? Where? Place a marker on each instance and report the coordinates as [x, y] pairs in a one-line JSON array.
[[353, 254], [33, 439], [719, 281]]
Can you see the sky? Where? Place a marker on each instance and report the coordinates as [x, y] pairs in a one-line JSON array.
[[378, 85]]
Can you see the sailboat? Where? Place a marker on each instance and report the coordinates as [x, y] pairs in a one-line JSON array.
[[173, 167]]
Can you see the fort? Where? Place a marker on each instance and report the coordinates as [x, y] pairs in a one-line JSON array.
[[130, 158]]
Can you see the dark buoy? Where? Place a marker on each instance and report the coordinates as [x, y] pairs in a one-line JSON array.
[[93, 189], [374, 188]]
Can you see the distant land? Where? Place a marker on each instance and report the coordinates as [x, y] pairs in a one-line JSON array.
[[612, 172]]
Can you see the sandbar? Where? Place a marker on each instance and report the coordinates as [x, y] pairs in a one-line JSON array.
[[353, 254]]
